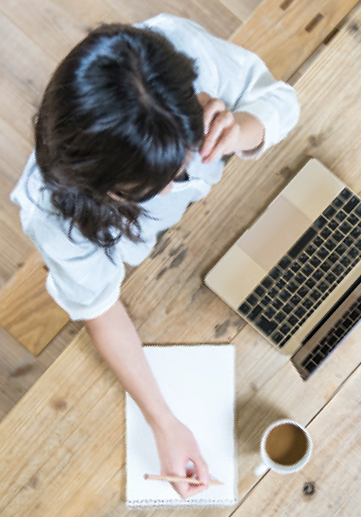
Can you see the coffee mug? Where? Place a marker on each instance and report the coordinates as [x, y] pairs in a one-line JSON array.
[[286, 447]]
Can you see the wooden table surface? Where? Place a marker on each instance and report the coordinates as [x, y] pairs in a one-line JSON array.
[[62, 448]]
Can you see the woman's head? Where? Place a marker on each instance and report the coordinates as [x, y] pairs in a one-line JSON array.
[[117, 122]]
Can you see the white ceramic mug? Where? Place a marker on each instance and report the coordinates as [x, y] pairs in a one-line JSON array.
[[268, 463]]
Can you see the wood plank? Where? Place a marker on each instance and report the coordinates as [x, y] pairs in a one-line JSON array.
[[242, 9], [326, 130], [26, 307], [334, 468], [284, 33]]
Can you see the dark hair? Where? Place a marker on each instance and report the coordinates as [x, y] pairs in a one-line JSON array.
[[119, 114]]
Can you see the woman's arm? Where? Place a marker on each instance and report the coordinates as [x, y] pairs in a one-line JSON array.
[[117, 340]]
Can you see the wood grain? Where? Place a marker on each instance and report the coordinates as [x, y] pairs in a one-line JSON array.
[[285, 33], [26, 307]]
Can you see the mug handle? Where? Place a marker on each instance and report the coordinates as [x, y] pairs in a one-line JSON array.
[[261, 469]]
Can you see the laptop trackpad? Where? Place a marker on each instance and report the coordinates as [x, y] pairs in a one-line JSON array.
[[274, 233]]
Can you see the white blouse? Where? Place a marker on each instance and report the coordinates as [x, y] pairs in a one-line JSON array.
[[81, 278]]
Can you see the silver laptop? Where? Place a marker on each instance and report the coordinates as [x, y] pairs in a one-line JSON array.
[[295, 274]]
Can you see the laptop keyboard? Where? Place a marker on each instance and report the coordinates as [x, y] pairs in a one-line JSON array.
[[309, 272], [333, 338]]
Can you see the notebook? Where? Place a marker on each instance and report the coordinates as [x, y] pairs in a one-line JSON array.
[[198, 384]]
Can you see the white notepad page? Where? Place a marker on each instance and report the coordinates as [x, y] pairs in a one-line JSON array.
[[198, 384]]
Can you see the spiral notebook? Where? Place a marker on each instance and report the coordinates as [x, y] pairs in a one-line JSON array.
[[198, 384]]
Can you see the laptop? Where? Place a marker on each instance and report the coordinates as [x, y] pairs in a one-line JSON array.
[[295, 274]]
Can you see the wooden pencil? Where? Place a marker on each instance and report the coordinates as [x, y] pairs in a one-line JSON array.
[[192, 481]]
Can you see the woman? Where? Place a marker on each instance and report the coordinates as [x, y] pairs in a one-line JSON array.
[[131, 129]]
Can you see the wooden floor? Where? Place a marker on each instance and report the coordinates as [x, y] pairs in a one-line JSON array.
[[35, 36]]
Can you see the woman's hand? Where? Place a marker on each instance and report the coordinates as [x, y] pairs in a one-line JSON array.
[[176, 447], [227, 132]]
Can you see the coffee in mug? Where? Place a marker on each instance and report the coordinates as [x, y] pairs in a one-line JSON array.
[[285, 448]]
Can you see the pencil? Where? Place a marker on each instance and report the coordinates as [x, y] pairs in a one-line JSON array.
[[193, 481]]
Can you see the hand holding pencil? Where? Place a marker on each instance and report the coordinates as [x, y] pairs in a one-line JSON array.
[[177, 448]]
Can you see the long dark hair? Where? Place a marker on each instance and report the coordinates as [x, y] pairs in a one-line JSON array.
[[119, 114]]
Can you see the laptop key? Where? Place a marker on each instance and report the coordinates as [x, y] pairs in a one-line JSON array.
[[287, 308], [252, 300], [353, 219], [310, 367], [244, 308], [307, 270], [287, 338], [300, 312], [337, 270], [329, 212], [280, 316], [356, 232], [345, 261], [303, 258], [284, 295], [265, 300], [295, 267], [333, 224], [284, 262], [320, 222], [275, 273], [265, 325], [292, 287], [285, 329], [256, 311], [295, 300], [350, 205], [353, 252], [316, 261], [277, 304], [338, 236], [292, 320], [267, 282], [310, 283], [277, 337], [273, 292], [337, 202], [307, 303], [345, 193], [319, 274], [322, 287], [281, 283], [341, 216], [300, 278], [260, 290], [322, 253], [302, 243], [269, 313], [302, 291], [345, 227], [287, 276], [315, 295], [326, 232], [333, 258], [330, 245]]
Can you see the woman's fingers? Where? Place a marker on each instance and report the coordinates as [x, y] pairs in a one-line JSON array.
[[212, 107], [216, 134]]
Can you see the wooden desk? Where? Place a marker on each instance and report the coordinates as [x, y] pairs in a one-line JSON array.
[[62, 447]]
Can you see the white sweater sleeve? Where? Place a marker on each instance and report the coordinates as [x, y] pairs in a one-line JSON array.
[[237, 76], [81, 279], [273, 102]]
